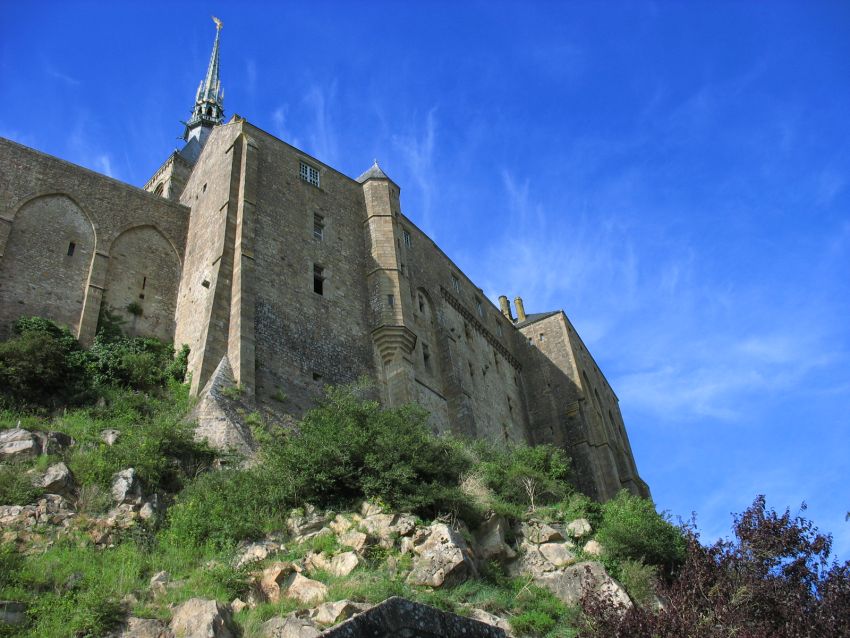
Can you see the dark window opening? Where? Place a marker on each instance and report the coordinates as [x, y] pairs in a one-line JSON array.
[[471, 370], [421, 303], [141, 295], [318, 227], [204, 189], [391, 301], [406, 236], [426, 357], [317, 376], [144, 282], [318, 280], [71, 248]]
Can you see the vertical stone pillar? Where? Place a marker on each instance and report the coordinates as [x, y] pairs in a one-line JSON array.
[[87, 327], [240, 348], [216, 337], [391, 310]]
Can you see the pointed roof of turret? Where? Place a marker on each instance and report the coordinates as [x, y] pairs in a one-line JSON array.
[[209, 99], [212, 84], [375, 172]]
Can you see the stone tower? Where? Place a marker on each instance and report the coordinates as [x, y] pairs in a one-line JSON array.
[[207, 112]]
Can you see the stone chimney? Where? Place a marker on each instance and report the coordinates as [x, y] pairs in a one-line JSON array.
[[520, 309], [505, 305]]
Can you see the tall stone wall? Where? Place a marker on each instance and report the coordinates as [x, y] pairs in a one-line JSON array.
[[59, 224], [204, 297], [305, 339], [586, 409]]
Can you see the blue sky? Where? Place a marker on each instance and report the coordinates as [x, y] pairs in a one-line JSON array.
[[673, 175]]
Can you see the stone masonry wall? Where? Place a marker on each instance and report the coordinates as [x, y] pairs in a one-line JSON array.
[[46, 205], [305, 339]]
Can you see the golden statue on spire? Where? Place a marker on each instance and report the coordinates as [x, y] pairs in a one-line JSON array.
[[218, 23]]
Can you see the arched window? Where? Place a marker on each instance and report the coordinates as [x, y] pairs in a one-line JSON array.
[[158, 189]]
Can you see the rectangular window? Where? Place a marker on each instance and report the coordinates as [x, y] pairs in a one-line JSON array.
[[318, 227], [406, 236], [456, 283], [426, 357], [542, 337], [499, 329], [318, 279], [309, 174], [391, 301], [71, 247], [479, 307]]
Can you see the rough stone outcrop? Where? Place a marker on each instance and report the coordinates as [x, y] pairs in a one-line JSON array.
[[57, 480], [126, 487], [201, 618], [291, 626], [442, 557], [399, 617], [144, 628], [570, 583]]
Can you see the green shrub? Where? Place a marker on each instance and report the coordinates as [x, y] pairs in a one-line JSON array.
[[42, 365], [139, 363], [631, 529], [16, 487], [639, 581], [348, 448], [522, 475], [219, 509]]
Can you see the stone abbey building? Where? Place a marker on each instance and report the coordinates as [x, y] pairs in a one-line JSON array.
[[283, 275]]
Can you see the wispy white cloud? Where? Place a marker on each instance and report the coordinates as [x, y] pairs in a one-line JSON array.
[[56, 74], [281, 129], [251, 77], [417, 149], [85, 151], [322, 139]]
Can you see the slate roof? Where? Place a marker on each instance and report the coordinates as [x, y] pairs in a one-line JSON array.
[[373, 173], [534, 317]]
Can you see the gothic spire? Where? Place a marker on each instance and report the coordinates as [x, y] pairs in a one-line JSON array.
[[209, 100]]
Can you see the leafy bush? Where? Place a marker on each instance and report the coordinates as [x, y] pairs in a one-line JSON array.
[[773, 580], [639, 580], [631, 529], [521, 475], [347, 449], [140, 363], [42, 365], [16, 487], [220, 509]]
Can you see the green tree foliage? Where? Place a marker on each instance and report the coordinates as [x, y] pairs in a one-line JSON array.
[[631, 529], [349, 448], [522, 475], [773, 580], [219, 509], [42, 365]]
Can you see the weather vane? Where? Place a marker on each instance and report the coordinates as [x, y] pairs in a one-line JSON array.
[[218, 23]]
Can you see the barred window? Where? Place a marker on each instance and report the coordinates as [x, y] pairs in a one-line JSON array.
[[318, 227], [309, 174], [406, 236]]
